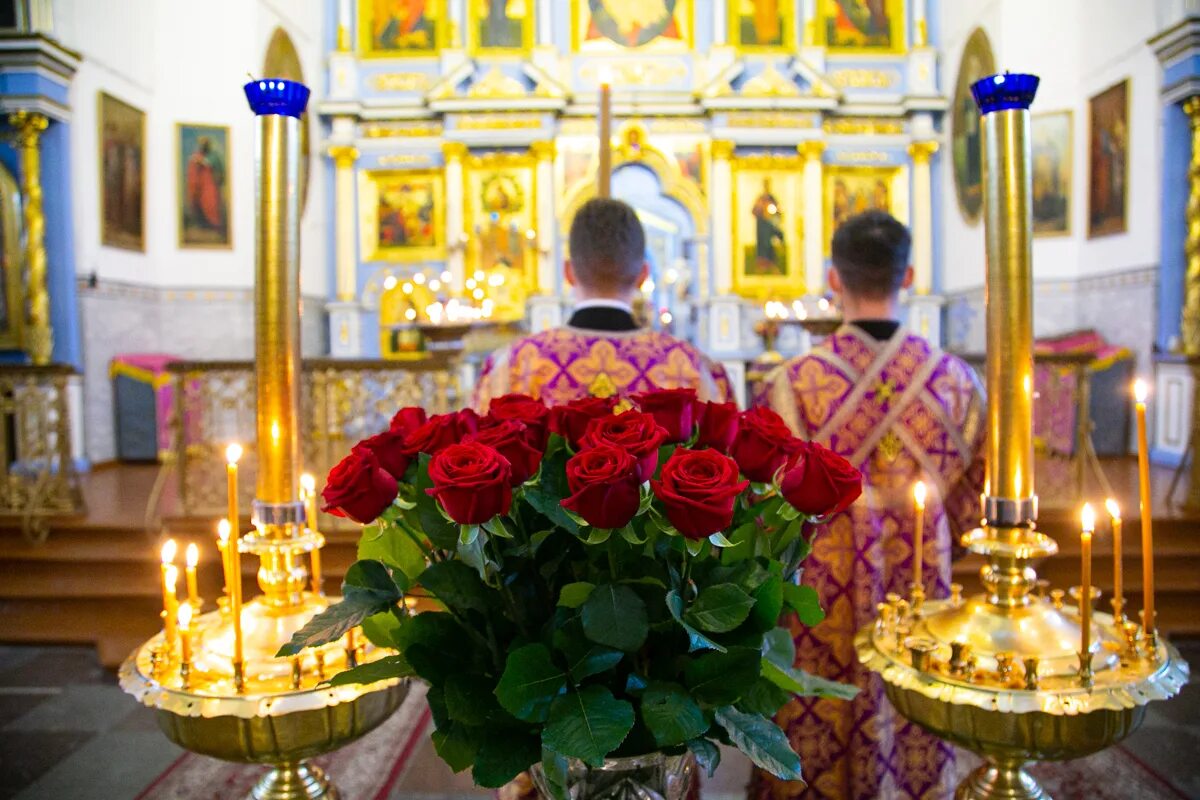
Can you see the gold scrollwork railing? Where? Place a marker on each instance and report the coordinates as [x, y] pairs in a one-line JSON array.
[[341, 402], [37, 473]]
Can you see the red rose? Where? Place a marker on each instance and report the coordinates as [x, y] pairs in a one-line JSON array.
[[511, 440], [524, 408], [718, 426], [441, 431], [673, 409], [698, 489], [818, 482], [472, 482], [408, 419], [358, 488], [388, 449], [570, 421], [634, 431], [605, 489], [762, 444]]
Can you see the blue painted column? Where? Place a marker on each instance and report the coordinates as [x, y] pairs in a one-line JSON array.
[[1177, 151]]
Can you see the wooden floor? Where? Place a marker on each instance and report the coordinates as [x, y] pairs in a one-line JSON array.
[[95, 580]]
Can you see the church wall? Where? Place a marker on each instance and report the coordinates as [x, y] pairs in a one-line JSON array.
[[1078, 48]]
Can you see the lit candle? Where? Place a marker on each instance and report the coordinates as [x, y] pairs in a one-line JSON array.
[[232, 454], [604, 178], [169, 576], [193, 558], [223, 529], [1118, 600], [919, 536], [308, 493], [185, 633], [1088, 525], [1140, 392]]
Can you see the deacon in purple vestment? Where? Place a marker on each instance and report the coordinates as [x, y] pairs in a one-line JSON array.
[[901, 411], [601, 351]]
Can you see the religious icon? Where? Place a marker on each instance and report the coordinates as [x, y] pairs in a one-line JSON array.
[[402, 215], [122, 174], [768, 223], [203, 177], [501, 24], [631, 24], [1052, 173], [1108, 156], [873, 25], [854, 190], [399, 27], [966, 142], [761, 24], [503, 249]]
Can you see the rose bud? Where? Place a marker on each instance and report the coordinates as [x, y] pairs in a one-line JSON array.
[[762, 444], [604, 484], [571, 420], [472, 482], [358, 488], [718, 426], [634, 431], [818, 482], [440, 431], [388, 449], [523, 408], [698, 489], [673, 409], [408, 419], [511, 439]]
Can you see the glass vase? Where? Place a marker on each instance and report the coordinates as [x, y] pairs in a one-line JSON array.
[[654, 776]]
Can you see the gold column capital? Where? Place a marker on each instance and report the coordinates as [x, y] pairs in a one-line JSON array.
[[28, 127], [921, 152], [543, 150], [811, 149], [723, 149], [455, 151], [1191, 107], [343, 155]]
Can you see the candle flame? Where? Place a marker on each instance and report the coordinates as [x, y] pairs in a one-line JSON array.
[[193, 555], [170, 576], [185, 616], [224, 529], [1113, 509], [308, 483], [919, 494], [604, 75], [1140, 391], [168, 551], [233, 453], [1087, 518]]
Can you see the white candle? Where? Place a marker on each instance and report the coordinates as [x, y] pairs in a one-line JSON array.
[[1114, 516]]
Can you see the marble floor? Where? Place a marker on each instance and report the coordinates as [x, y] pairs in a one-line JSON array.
[[67, 731]]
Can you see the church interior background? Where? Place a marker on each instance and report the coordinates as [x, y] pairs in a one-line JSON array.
[[446, 147]]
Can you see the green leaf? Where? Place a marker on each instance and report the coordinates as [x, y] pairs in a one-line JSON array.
[[456, 746], [496, 527], [615, 616], [718, 540], [720, 678], [805, 602], [468, 535], [503, 757], [441, 531], [707, 754], [803, 684], [384, 668], [457, 586], [529, 683], [432, 643], [391, 546], [719, 608], [768, 601], [380, 629], [761, 740], [694, 546], [587, 724], [741, 538], [671, 715], [468, 699], [778, 648], [368, 589], [696, 639], [573, 595], [555, 768], [763, 698], [598, 536], [592, 661], [631, 536]]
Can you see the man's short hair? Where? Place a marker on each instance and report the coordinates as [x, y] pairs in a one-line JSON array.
[[608, 245], [871, 254]]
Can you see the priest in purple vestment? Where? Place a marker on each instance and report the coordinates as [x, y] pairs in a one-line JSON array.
[[901, 411], [601, 351]]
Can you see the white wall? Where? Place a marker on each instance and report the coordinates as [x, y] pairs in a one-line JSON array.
[[184, 62], [1078, 48]]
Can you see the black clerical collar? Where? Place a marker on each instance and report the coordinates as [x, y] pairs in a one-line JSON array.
[[878, 329], [610, 318]]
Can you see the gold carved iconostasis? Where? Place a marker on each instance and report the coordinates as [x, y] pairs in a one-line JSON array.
[[473, 131]]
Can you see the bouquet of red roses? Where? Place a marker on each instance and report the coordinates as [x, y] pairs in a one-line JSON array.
[[609, 576]]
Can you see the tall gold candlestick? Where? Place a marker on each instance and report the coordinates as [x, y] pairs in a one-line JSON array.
[[169, 577], [232, 454], [1088, 526], [193, 558], [1140, 392], [918, 590], [1118, 598], [604, 178]]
